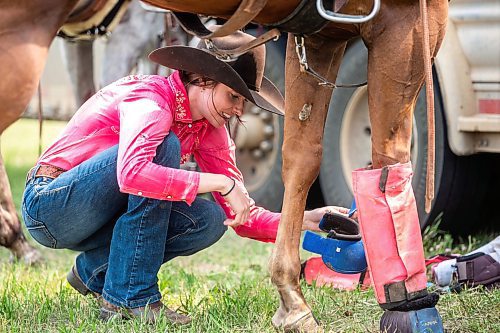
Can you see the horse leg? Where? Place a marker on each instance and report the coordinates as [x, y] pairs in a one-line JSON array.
[[302, 151], [396, 74], [26, 31], [386, 205], [11, 235]]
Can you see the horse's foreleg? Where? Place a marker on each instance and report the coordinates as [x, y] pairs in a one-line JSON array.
[[396, 74], [302, 151], [387, 210], [11, 235]]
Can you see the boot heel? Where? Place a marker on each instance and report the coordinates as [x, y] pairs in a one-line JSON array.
[[75, 282]]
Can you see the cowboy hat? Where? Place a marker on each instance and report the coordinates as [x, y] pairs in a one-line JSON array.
[[243, 74]]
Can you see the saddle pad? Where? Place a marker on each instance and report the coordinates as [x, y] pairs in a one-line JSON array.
[[101, 23]]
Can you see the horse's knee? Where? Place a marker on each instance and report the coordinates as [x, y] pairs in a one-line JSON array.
[[281, 278], [305, 163], [283, 270], [10, 229]]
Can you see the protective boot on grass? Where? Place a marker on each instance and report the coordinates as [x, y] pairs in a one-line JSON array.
[[388, 218]]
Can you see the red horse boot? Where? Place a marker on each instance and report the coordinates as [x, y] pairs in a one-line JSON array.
[[315, 272], [388, 218]]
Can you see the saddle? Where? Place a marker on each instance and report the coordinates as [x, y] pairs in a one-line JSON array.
[[304, 20], [92, 18]]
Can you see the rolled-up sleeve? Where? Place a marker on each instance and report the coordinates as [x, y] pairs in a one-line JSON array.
[[218, 156], [145, 121]]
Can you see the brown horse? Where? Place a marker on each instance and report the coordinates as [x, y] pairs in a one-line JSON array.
[[395, 76], [24, 43]]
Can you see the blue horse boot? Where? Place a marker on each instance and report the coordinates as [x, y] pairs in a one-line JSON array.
[[426, 320], [416, 316], [342, 250]]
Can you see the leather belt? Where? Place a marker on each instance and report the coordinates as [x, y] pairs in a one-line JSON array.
[[49, 171]]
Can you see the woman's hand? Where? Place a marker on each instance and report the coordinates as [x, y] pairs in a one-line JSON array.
[[240, 204], [312, 217]]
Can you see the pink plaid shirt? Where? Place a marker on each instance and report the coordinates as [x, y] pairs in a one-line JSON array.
[[137, 112]]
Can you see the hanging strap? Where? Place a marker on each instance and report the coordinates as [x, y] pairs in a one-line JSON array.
[[40, 118], [429, 92]]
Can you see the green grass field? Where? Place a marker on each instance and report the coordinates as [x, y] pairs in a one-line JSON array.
[[225, 288]]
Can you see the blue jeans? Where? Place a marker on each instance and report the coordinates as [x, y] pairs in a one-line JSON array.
[[124, 239]]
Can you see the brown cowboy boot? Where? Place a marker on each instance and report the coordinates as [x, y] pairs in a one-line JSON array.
[[150, 313], [76, 282]]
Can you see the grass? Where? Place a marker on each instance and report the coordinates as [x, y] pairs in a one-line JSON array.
[[225, 288]]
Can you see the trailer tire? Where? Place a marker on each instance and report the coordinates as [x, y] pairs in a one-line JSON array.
[[263, 175]]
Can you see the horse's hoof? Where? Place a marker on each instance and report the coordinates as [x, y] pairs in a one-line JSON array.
[[30, 258], [278, 318], [303, 322]]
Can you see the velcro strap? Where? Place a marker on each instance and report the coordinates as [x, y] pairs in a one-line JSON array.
[[339, 226], [427, 301], [465, 267], [395, 292], [383, 179], [478, 269], [465, 271]]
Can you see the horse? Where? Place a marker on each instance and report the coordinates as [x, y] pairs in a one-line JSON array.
[[395, 76]]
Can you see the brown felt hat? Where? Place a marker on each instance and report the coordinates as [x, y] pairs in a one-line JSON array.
[[244, 74]]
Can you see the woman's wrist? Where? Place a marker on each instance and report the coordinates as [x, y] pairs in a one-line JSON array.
[[228, 187]]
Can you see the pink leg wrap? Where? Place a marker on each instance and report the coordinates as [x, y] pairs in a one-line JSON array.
[[388, 218]]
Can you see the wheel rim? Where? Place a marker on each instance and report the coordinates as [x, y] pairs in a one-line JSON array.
[[355, 136], [257, 145]]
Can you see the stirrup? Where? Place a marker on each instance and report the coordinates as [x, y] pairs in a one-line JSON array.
[[345, 18]]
